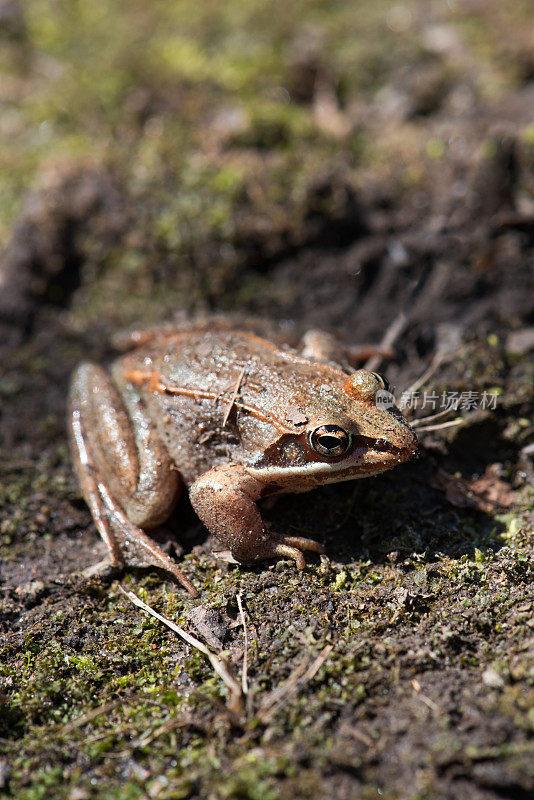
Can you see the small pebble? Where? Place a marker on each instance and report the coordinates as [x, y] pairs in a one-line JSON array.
[[210, 624], [77, 793], [30, 590], [492, 679]]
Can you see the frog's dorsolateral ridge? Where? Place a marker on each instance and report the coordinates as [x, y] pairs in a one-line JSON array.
[[235, 418]]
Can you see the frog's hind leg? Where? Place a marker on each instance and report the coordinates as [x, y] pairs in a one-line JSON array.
[[325, 347], [126, 340], [126, 476]]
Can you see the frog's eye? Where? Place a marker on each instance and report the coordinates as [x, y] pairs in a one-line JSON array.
[[384, 383], [330, 441]]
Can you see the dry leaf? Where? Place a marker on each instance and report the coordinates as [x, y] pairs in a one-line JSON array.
[[487, 493]]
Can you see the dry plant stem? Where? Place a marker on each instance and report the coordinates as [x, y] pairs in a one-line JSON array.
[[244, 675], [234, 397], [104, 708], [424, 699], [441, 426], [149, 736], [415, 423], [437, 360], [220, 666], [391, 335], [300, 676]]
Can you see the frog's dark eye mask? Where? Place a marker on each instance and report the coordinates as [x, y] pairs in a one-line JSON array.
[[325, 443], [330, 441]]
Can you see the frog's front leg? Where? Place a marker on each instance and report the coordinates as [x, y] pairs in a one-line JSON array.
[[225, 500], [126, 475]]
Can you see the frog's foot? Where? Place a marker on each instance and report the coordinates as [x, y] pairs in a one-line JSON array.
[[124, 539], [289, 547]]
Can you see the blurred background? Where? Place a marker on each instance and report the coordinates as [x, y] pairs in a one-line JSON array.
[[332, 163], [189, 155]]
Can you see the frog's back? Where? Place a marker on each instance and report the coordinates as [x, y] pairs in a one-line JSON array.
[[228, 395], [262, 374]]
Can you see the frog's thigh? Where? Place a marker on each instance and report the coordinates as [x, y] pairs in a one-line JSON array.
[[124, 474], [225, 500], [320, 346], [122, 447]]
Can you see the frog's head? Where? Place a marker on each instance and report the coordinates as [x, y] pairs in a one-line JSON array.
[[354, 431]]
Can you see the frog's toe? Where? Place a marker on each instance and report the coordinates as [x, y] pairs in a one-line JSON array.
[[290, 552], [291, 547], [302, 543]]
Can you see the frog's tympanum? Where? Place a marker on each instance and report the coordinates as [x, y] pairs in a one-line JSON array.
[[236, 419]]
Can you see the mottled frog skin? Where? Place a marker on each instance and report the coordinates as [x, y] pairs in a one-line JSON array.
[[232, 416]]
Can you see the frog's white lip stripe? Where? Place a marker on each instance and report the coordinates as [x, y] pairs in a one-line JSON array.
[[329, 472]]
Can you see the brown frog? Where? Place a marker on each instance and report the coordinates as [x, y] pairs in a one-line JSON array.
[[234, 417]]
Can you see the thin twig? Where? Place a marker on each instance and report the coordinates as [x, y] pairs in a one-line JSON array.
[[392, 333], [426, 700], [436, 362], [423, 420], [442, 425], [356, 733], [219, 664], [234, 396], [278, 695], [430, 703], [300, 676], [149, 736], [244, 674], [105, 708]]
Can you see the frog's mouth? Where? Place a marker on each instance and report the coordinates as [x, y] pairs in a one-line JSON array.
[[369, 456], [364, 445]]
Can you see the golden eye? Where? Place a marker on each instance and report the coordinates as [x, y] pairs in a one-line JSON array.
[[330, 441]]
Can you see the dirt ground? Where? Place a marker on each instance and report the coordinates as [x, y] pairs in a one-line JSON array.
[[331, 165]]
